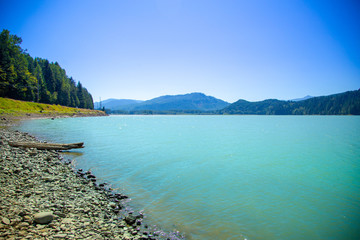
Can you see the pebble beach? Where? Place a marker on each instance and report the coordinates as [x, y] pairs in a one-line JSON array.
[[42, 196]]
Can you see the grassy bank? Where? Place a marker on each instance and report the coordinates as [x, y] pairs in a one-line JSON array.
[[17, 108]]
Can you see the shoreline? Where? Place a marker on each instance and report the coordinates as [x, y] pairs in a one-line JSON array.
[[41, 181], [10, 120]]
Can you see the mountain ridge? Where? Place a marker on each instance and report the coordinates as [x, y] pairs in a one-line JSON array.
[[190, 101], [346, 103], [301, 99], [116, 104]]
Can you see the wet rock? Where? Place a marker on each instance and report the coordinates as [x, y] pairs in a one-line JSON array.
[[43, 217], [130, 219]]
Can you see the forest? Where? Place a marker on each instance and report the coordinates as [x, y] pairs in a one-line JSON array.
[[23, 77], [347, 103]]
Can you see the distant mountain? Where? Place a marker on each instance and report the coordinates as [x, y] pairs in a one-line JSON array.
[[347, 103], [301, 99], [191, 101], [117, 104], [337, 104]]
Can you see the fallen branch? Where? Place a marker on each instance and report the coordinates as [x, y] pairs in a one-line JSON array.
[[47, 146]]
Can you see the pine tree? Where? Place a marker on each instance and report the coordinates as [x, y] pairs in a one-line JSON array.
[[23, 77]]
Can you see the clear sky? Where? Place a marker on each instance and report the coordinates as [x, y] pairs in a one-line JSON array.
[[229, 49]]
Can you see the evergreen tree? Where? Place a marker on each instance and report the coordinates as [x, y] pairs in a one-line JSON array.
[[25, 78], [80, 95], [49, 77]]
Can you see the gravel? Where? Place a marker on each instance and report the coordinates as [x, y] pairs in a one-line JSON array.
[[43, 197]]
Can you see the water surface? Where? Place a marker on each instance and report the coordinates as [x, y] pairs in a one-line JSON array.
[[227, 177]]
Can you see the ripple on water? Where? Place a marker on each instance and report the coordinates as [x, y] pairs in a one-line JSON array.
[[228, 177]]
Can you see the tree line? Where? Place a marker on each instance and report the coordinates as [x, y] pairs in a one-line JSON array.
[[26, 78], [347, 103]]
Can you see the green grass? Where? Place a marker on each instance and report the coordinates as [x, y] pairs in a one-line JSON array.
[[20, 108]]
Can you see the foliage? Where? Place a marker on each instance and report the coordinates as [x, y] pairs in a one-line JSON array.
[[34, 79], [347, 103]]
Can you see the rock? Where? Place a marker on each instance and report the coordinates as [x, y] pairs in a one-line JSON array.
[[32, 181], [91, 176], [27, 218], [49, 179], [60, 235], [130, 219], [32, 153], [23, 224], [43, 217], [22, 213], [5, 220], [67, 220], [22, 233], [120, 196], [60, 214]]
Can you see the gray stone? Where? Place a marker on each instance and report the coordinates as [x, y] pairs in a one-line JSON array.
[[67, 220], [43, 217], [60, 235], [5, 220]]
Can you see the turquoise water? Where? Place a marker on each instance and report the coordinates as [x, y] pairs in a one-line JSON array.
[[227, 177]]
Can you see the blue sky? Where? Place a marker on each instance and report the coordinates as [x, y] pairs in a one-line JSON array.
[[141, 49]]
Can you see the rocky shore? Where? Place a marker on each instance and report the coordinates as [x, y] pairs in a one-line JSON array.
[[13, 119], [43, 197]]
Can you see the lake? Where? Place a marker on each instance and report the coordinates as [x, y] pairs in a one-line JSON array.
[[226, 177]]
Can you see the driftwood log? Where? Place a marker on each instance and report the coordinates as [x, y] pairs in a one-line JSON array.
[[47, 146]]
